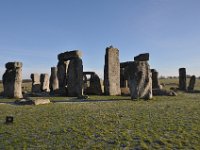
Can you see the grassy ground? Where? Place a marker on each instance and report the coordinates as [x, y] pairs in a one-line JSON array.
[[162, 123]]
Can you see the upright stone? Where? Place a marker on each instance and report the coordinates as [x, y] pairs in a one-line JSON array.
[[112, 72], [36, 87], [54, 80], [70, 73], [192, 83], [93, 84], [62, 76], [155, 80], [12, 80], [140, 80], [182, 79], [44, 80], [75, 78]]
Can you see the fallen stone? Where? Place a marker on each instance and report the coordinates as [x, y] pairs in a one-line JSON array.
[[41, 101], [162, 92]]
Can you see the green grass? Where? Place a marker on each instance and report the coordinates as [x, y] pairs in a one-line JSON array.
[[161, 123]]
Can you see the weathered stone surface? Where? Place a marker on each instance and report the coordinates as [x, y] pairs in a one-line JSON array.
[[140, 81], [30, 101], [75, 78], [125, 64], [62, 76], [36, 87], [182, 79], [68, 55], [44, 80], [12, 80], [192, 83], [41, 101], [112, 72], [125, 91], [142, 57], [155, 80], [13, 65], [92, 85], [54, 80]]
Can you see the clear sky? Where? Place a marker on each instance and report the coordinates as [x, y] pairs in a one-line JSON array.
[[35, 31]]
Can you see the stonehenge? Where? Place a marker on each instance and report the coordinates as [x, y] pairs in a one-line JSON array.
[[12, 80], [70, 73], [182, 79], [92, 85], [112, 72], [54, 80], [132, 78], [36, 86]]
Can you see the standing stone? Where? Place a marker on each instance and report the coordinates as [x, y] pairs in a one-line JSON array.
[[182, 79], [62, 76], [70, 73], [124, 78], [12, 80], [44, 80], [192, 83], [112, 72], [54, 80], [75, 78], [36, 87], [155, 80], [92, 85], [140, 81]]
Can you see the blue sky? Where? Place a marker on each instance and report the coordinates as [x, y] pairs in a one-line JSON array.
[[35, 31]]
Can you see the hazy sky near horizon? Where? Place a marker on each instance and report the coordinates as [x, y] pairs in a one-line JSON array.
[[35, 31]]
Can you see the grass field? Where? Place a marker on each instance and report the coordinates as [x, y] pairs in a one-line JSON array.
[[161, 123]]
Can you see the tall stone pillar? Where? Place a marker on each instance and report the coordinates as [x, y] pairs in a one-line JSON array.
[[192, 83], [155, 80], [75, 78], [62, 76], [12, 80], [112, 72], [44, 80], [36, 87], [54, 80], [182, 79]]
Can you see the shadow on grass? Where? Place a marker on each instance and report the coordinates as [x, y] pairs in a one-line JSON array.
[[87, 101]]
